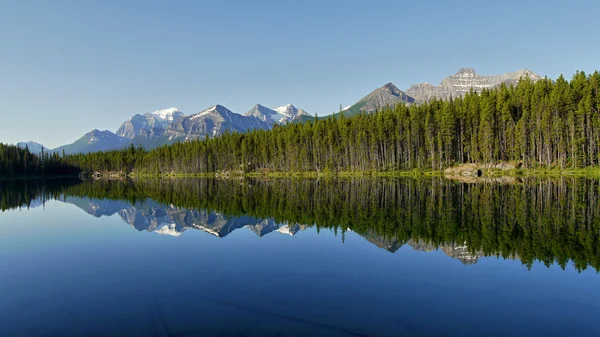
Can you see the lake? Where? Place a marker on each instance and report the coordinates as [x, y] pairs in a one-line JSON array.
[[300, 257]]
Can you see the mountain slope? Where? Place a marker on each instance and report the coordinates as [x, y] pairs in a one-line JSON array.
[[290, 113], [213, 122], [33, 147], [167, 115], [150, 125], [94, 141], [281, 115], [387, 95], [466, 78]]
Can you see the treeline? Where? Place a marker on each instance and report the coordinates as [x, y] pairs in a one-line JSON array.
[[550, 124], [20, 162], [17, 193], [547, 220]]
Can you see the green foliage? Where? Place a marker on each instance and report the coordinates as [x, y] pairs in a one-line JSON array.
[[550, 125], [543, 124], [19, 162]]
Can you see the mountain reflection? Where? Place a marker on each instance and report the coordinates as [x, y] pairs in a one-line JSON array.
[[151, 216], [532, 219]]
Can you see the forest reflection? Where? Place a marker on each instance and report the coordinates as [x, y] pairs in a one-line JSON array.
[[552, 220]]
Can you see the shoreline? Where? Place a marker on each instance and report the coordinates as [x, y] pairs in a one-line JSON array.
[[489, 173]]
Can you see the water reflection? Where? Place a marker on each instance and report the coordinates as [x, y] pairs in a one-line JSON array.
[[151, 216], [547, 220]]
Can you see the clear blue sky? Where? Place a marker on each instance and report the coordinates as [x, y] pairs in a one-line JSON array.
[[67, 67]]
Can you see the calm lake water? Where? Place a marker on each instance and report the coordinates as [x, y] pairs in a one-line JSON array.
[[300, 257]]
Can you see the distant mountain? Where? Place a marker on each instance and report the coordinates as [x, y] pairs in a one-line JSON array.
[[280, 115], [387, 95], [466, 78], [167, 115], [163, 127], [263, 113], [290, 113], [94, 141], [150, 125], [33, 147], [213, 122]]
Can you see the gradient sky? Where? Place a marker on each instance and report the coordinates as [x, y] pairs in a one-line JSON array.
[[67, 67]]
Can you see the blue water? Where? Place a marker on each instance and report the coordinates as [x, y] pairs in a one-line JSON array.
[[64, 272]]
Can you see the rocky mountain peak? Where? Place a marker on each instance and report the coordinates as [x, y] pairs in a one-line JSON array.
[[287, 110], [466, 72], [463, 81], [393, 90], [34, 147], [386, 96], [167, 114]]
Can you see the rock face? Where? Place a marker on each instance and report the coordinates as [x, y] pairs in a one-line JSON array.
[[477, 173], [33, 147], [281, 115], [466, 78], [213, 122], [150, 125], [387, 95], [163, 127]]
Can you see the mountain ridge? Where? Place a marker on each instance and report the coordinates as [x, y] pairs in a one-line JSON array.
[[462, 81], [167, 126]]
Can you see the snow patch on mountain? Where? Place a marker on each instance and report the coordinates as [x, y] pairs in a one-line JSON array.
[[167, 114]]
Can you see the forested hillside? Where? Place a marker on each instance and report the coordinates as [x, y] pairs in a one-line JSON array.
[[551, 124], [542, 124]]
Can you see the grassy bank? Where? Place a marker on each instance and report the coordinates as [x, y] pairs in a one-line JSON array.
[[549, 172], [538, 172]]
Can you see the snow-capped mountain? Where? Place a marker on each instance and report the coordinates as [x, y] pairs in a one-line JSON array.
[[213, 122], [290, 112], [167, 115], [167, 126], [150, 124], [280, 115]]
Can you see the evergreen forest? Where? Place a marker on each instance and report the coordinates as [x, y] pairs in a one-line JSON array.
[[550, 124]]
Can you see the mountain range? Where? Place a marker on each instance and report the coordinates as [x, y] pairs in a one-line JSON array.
[[163, 127], [33, 147], [466, 78]]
